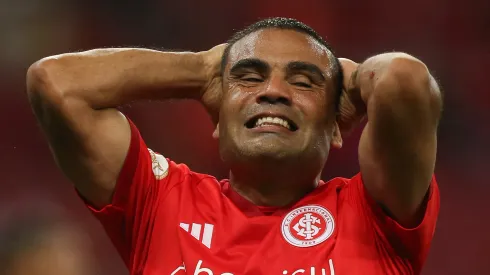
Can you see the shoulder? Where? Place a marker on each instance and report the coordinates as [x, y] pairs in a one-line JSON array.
[[345, 191], [181, 175], [334, 192], [165, 175], [339, 183]]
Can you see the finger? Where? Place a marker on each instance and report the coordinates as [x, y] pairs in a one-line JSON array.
[[347, 64]]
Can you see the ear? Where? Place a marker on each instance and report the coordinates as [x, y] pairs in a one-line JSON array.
[[336, 141], [216, 132]]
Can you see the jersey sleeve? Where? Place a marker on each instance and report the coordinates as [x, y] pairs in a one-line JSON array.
[[411, 244], [145, 179]]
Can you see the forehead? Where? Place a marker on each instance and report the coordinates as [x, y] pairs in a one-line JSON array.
[[279, 47]]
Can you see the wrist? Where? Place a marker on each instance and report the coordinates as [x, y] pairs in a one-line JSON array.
[[194, 76], [353, 83], [209, 65]]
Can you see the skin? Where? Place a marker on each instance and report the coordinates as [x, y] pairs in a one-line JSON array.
[[397, 149], [74, 98], [394, 92], [294, 81]]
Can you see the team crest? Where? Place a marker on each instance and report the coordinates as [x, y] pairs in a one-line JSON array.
[[307, 226], [159, 165]]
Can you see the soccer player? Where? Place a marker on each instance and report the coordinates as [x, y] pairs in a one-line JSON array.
[[280, 99]]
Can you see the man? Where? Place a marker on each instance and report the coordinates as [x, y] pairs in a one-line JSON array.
[[275, 91]]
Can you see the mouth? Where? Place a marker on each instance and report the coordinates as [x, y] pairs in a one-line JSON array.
[[267, 120]]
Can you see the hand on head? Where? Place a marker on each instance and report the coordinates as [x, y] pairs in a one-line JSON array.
[[212, 92], [352, 109]]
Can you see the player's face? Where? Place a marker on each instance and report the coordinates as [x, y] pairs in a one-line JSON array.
[[278, 100]]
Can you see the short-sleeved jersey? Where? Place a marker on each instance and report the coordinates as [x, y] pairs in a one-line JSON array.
[[167, 220]]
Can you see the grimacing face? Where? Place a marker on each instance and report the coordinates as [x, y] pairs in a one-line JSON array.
[[278, 100]]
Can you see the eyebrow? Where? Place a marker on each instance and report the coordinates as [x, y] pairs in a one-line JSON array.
[[250, 63], [296, 66]]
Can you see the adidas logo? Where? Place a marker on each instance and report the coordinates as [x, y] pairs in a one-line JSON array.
[[207, 233]]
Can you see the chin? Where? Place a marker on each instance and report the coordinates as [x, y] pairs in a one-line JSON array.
[[269, 152], [261, 150]]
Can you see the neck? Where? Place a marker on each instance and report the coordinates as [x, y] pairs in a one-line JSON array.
[[273, 186]]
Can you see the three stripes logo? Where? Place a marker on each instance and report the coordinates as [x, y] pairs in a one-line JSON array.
[[195, 230]]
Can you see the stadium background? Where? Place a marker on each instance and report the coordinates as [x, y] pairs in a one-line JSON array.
[[451, 37]]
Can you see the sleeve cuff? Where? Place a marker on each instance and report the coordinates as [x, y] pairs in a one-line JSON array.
[[430, 204]]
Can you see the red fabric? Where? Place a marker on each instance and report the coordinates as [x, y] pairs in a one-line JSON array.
[[190, 222]]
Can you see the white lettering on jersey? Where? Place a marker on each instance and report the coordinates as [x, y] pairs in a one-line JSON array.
[[207, 234], [159, 165], [208, 271], [324, 271], [179, 268], [201, 270]]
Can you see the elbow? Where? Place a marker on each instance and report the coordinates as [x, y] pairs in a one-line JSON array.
[[409, 82], [41, 91], [34, 77], [40, 79]]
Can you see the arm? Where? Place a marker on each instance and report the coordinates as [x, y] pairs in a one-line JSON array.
[[74, 97], [397, 150]]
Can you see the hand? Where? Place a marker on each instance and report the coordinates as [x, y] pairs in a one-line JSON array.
[[212, 92], [352, 109]]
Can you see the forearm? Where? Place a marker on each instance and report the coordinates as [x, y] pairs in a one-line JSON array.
[[403, 106], [399, 94], [398, 86], [107, 78], [397, 150], [391, 73]]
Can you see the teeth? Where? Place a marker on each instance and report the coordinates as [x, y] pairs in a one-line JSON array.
[[272, 121]]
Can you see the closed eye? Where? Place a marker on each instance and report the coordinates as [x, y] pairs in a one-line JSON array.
[[300, 80], [302, 84], [252, 79]]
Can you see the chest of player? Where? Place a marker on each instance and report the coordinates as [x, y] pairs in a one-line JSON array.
[[206, 233]]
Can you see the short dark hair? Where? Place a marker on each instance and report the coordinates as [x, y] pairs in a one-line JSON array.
[[288, 24]]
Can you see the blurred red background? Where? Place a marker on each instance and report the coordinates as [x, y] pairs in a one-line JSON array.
[[451, 37]]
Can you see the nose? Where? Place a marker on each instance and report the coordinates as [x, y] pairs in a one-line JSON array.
[[276, 91]]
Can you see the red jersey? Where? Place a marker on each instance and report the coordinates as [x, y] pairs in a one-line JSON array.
[[167, 220]]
